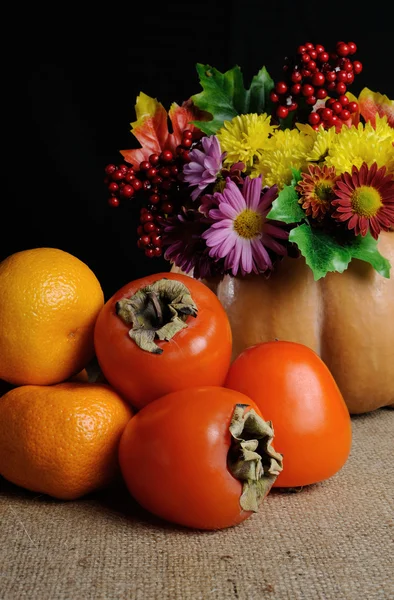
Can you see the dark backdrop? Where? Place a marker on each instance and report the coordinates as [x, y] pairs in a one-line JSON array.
[[70, 81]]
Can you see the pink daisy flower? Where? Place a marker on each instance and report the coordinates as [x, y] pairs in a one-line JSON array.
[[241, 233]]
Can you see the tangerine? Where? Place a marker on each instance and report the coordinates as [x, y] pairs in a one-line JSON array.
[[49, 302], [62, 440]]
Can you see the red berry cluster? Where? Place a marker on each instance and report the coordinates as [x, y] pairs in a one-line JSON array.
[[313, 75], [156, 182]]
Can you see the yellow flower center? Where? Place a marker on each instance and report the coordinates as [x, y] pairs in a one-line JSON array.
[[248, 224], [323, 191], [366, 201]]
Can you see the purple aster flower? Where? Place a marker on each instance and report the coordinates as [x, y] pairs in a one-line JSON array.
[[204, 165], [184, 246], [241, 234], [207, 202]]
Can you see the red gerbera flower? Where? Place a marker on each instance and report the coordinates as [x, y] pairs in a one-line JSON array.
[[365, 199]]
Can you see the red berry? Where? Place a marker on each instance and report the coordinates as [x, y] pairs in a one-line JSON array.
[[309, 46], [136, 183], [347, 66], [154, 198], [305, 58], [274, 97], [352, 47], [113, 187], [165, 172], [307, 90], [127, 191], [312, 65], [151, 173], [148, 227], [352, 107], [295, 89], [167, 207], [314, 118], [342, 49], [344, 100], [145, 165], [187, 143], [109, 169], [331, 76], [336, 107], [344, 114], [357, 67], [350, 78], [155, 239], [342, 76], [154, 159], [318, 79], [281, 88], [321, 94], [166, 156], [296, 77], [323, 57], [145, 240], [326, 114], [149, 252], [282, 112], [332, 121], [311, 100], [301, 49], [128, 178], [146, 216], [319, 48], [113, 201], [187, 134], [340, 88], [117, 175]]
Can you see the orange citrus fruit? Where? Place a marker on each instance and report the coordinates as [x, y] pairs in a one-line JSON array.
[[49, 302], [62, 440]]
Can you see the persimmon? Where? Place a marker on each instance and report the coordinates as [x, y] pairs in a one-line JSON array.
[[295, 390], [201, 458], [162, 333]]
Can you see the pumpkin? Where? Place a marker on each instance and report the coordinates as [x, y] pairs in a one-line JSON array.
[[346, 318]]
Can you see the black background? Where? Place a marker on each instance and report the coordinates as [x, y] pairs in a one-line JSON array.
[[71, 76]]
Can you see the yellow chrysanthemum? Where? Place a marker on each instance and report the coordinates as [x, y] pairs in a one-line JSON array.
[[285, 149], [354, 146], [322, 141], [244, 137]]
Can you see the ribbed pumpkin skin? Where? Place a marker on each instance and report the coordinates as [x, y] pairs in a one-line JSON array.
[[347, 318]]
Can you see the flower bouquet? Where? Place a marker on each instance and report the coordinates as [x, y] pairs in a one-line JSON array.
[[268, 193]]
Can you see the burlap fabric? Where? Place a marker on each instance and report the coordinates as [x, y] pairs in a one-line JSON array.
[[331, 541]]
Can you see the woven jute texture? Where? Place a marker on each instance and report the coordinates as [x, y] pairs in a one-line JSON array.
[[330, 541]]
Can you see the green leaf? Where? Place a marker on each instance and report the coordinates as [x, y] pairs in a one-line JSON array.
[[324, 254], [365, 248], [225, 97], [297, 176], [285, 207]]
